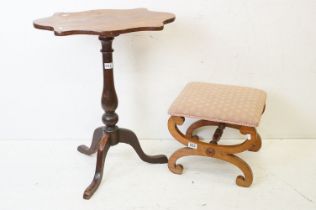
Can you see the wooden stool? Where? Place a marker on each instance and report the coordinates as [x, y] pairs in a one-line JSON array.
[[217, 105]]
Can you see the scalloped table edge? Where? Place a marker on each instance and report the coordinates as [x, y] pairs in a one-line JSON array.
[[105, 33]]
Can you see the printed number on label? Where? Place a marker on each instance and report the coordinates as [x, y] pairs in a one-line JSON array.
[[192, 145], [108, 65]]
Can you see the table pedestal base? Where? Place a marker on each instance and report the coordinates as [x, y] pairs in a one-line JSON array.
[[110, 134], [101, 142]]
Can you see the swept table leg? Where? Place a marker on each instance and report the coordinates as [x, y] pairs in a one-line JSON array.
[[97, 135], [102, 151], [129, 137]]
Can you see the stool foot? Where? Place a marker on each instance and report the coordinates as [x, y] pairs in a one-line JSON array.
[[176, 168], [97, 135], [242, 181]]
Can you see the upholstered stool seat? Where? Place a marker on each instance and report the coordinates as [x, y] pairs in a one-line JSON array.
[[220, 103], [217, 105]]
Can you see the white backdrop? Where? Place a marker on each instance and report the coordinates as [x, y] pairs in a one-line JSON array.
[[50, 87]]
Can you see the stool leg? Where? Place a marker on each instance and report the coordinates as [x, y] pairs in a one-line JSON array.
[[257, 143], [243, 181], [196, 125], [178, 168], [222, 152]]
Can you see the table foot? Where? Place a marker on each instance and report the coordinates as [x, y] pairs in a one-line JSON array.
[[129, 137], [97, 136], [102, 151]]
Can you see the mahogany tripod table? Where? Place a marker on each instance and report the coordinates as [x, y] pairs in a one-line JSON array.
[[107, 24]]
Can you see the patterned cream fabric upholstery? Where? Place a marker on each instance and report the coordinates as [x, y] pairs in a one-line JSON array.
[[220, 103]]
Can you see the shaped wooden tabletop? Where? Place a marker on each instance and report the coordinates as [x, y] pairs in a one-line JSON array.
[[105, 22]]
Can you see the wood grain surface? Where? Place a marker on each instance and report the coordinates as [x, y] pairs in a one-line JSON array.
[[105, 22]]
